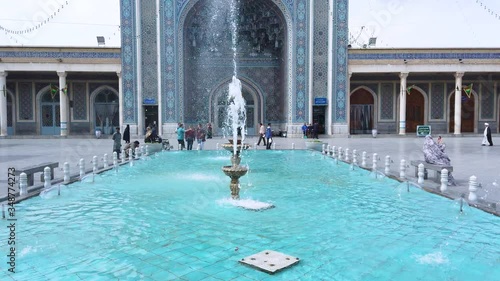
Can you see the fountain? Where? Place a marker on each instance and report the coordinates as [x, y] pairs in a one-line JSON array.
[[236, 117], [236, 122]]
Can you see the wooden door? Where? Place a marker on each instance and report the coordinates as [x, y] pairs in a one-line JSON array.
[[415, 105]]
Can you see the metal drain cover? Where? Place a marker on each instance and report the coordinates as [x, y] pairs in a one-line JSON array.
[[270, 261]]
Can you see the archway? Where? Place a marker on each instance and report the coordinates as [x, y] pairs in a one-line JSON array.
[[415, 110], [105, 109], [50, 113], [468, 115], [207, 55], [362, 113]]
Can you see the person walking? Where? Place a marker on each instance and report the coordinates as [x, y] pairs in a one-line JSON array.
[[269, 136], [117, 139], [487, 135], [180, 135], [304, 130], [209, 131], [262, 133], [200, 136], [190, 135], [126, 134]]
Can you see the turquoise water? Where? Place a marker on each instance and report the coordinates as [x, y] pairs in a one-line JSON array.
[[164, 219]]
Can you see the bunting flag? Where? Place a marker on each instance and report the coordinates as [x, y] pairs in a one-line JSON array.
[[468, 90], [408, 89]]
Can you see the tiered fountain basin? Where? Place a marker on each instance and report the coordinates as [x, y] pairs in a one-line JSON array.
[[230, 146]]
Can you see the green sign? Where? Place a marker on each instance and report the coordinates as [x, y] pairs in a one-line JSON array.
[[423, 130]]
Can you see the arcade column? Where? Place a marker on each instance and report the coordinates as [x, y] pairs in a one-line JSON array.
[[3, 103], [458, 103], [402, 103], [63, 103]]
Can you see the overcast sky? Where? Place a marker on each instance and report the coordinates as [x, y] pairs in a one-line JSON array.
[[395, 23]]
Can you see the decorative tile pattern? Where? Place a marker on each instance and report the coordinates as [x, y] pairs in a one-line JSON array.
[[79, 91], [171, 102], [184, 92], [301, 68], [387, 102], [69, 55], [340, 60], [149, 65], [25, 101], [320, 61], [487, 100], [437, 101], [129, 62], [424, 56]]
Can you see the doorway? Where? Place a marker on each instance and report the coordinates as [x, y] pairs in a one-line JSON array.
[[319, 117], [361, 114], [150, 116], [50, 114], [415, 104]]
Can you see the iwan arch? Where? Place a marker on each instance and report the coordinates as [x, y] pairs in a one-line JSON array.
[[292, 57]]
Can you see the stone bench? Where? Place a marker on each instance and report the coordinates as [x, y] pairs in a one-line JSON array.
[[31, 170], [428, 166]]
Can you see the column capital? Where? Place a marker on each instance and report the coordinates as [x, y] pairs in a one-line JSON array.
[[3, 73], [459, 74], [62, 73], [119, 74], [403, 75]]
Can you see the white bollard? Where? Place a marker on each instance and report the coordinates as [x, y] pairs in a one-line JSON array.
[[130, 157], [387, 164], [374, 162], [347, 154], [46, 177], [143, 150], [274, 145], [66, 173], [82, 168], [23, 184], [123, 155], [217, 146], [323, 147], [334, 151], [420, 173], [105, 160], [293, 146], [94, 164], [444, 180], [363, 159], [472, 189], [115, 160], [179, 146], [327, 151], [339, 154], [355, 157], [402, 169], [147, 150], [137, 153]]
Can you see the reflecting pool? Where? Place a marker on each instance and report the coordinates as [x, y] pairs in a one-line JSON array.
[[170, 217]]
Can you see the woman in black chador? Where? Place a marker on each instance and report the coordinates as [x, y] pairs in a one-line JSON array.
[[126, 134]]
